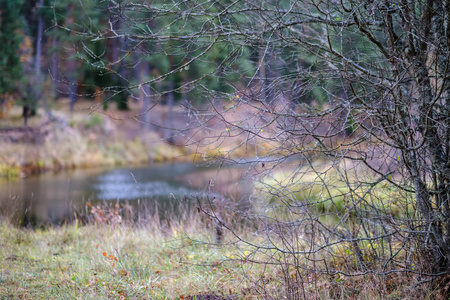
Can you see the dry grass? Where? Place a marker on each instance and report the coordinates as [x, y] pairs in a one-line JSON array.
[[174, 258], [86, 140], [178, 257], [93, 137]]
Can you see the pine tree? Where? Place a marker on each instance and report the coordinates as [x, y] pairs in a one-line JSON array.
[[10, 39]]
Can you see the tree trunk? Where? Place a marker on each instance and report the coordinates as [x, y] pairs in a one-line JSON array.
[[40, 30], [145, 94], [169, 118], [54, 67]]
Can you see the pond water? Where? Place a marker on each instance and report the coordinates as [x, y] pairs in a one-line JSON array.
[[52, 198]]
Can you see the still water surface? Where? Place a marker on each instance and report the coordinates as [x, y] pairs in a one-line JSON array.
[[52, 197]]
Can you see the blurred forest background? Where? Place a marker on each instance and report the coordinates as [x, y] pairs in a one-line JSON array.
[[87, 64], [90, 50], [46, 56], [334, 117]]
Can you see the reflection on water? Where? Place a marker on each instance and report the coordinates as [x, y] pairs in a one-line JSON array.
[[125, 184], [52, 198], [122, 190]]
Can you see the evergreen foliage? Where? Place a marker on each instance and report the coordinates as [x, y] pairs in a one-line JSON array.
[[10, 39]]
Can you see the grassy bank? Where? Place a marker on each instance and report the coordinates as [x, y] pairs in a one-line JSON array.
[[78, 139], [102, 262], [88, 137], [334, 190]]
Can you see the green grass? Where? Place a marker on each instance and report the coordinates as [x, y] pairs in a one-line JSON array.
[[102, 262], [326, 191]]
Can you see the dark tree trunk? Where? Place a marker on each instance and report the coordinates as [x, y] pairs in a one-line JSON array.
[[25, 114]]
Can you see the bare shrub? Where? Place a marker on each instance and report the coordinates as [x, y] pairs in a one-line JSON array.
[[348, 126]]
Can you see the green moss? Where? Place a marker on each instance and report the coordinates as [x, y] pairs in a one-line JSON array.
[[93, 121]]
